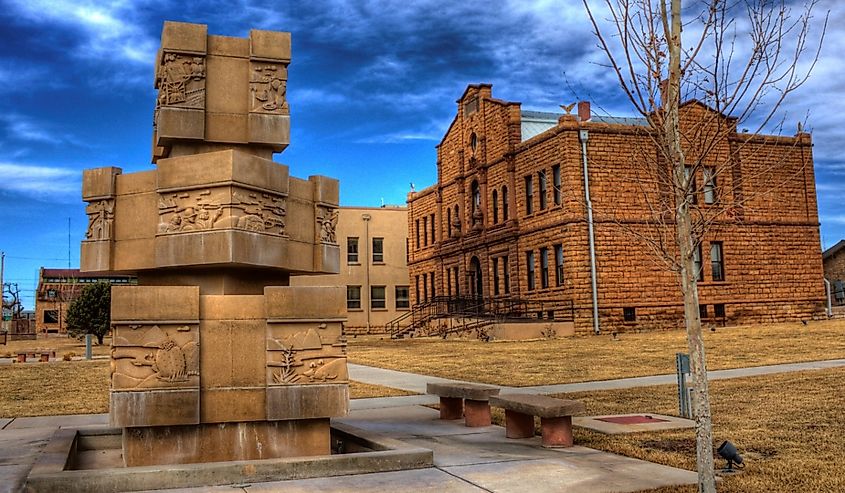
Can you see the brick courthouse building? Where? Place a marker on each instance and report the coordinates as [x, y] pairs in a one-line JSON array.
[[507, 219]]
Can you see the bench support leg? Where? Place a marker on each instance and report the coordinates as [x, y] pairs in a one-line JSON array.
[[518, 425], [557, 432], [451, 408], [477, 413]]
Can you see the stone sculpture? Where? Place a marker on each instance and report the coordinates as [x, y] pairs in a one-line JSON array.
[[214, 357]]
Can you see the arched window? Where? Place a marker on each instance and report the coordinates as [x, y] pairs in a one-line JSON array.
[[473, 142], [504, 203], [476, 197], [495, 206], [456, 220]]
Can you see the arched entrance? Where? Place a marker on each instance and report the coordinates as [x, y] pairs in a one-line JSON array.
[[475, 279]]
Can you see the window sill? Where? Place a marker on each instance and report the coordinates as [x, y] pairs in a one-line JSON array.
[[379, 263], [378, 309], [405, 309], [353, 263], [355, 309]]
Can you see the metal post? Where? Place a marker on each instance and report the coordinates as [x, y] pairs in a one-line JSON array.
[[683, 369], [88, 346]]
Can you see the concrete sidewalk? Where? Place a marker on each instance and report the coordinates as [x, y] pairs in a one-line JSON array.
[[413, 382]]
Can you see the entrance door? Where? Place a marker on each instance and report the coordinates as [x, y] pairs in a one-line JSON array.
[[475, 282]]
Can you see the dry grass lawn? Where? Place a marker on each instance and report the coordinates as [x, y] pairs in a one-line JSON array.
[[48, 389], [361, 390], [577, 359], [61, 344], [788, 428]]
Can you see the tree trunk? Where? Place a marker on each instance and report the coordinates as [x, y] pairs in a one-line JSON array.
[[688, 276]]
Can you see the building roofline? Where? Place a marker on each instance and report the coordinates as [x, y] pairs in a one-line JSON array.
[[833, 250]]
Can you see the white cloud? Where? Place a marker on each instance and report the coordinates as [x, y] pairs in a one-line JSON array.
[[108, 28], [39, 181], [18, 127]]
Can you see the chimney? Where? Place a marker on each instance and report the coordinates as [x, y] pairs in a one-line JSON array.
[[584, 110]]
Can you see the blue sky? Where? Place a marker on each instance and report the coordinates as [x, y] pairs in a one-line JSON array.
[[372, 89]]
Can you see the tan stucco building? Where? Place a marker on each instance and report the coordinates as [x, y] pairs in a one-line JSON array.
[[373, 266]]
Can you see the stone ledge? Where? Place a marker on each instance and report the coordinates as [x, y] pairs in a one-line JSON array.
[[537, 405], [471, 391]]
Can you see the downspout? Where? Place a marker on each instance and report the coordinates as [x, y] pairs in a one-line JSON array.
[[583, 136], [829, 304], [366, 218]]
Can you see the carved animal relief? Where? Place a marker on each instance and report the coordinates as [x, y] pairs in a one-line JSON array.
[[297, 354], [221, 208], [268, 87], [100, 219], [156, 356], [181, 81]]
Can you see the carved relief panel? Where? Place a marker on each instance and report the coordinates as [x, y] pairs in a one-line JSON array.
[[180, 80], [326, 224], [268, 88], [155, 356], [221, 208], [100, 219], [305, 353]]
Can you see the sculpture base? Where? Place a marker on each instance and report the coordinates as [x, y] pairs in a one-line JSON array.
[[226, 442]]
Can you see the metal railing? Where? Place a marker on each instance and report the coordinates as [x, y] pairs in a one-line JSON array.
[[477, 312]]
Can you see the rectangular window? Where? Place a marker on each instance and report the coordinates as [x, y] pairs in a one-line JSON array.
[[495, 276], [504, 203], [506, 275], [51, 316], [556, 184], [449, 281], [378, 250], [433, 286], [457, 283], [417, 289], [449, 221], [377, 297], [719, 310], [495, 207], [559, 265], [351, 250], [702, 312], [710, 192], [541, 179], [425, 231], [529, 195], [417, 244], [529, 268], [402, 297], [353, 297], [717, 261], [544, 267], [696, 259], [692, 187], [433, 229], [629, 313]]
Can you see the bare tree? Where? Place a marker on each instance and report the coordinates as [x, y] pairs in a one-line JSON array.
[[740, 59]]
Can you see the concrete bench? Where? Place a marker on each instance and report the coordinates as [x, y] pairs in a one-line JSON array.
[[555, 417], [464, 399]]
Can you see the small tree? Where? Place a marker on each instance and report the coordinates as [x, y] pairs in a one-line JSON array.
[[740, 59], [91, 312]]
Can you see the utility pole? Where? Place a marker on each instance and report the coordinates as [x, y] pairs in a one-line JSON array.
[[2, 267]]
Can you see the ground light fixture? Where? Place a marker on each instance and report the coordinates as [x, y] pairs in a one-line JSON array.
[[727, 451]]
